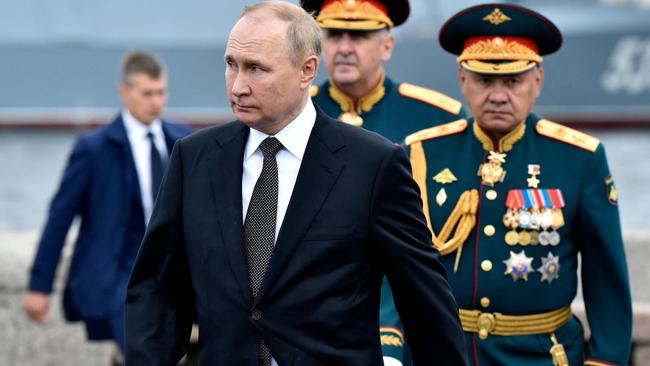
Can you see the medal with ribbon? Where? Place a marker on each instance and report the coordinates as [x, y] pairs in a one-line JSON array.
[[534, 211]]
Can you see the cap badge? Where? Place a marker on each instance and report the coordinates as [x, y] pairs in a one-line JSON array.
[[496, 17], [351, 4]]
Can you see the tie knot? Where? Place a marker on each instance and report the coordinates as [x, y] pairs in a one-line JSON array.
[[150, 135], [270, 147]]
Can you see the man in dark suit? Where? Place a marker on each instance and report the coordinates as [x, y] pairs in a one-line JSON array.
[[339, 200], [110, 182]]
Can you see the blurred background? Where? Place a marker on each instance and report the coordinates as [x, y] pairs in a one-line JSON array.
[[59, 73]]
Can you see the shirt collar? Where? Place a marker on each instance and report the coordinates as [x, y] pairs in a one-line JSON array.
[[136, 128], [294, 136]]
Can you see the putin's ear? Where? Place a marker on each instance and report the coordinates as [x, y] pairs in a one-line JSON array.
[[308, 71]]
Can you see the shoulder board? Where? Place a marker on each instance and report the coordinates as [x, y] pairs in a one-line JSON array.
[[446, 129], [313, 90], [429, 96], [567, 135]]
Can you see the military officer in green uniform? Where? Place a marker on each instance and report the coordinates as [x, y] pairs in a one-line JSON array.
[[357, 42], [513, 200]]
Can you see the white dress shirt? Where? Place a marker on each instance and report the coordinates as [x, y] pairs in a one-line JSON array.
[[294, 139], [137, 132]]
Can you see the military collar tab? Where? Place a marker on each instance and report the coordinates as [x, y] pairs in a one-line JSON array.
[[364, 104], [505, 143]]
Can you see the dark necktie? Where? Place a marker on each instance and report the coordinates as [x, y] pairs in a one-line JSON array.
[[156, 167], [259, 226]]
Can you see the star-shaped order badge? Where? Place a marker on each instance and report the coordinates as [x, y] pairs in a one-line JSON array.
[[550, 268], [518, 266]]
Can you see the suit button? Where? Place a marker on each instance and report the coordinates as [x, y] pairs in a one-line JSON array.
[[491, 194], [485, 302], [256, 315], [486, 265], [489, 230]]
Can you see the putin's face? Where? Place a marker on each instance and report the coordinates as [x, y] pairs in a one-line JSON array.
[[266, 90], [500, 103]]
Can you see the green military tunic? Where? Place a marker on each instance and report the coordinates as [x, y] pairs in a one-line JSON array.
[[390, 109], [552, 187], [394, 111]]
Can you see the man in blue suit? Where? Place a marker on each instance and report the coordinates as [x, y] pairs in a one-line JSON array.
[[110, 182]]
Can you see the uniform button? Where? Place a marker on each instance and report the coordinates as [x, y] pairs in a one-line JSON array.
[[485, 302], [486, 265], [491, 194], [256, 315], [489, 230]]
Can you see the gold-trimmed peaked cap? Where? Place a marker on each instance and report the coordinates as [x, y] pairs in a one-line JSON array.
[[364, 15], [499, 38]]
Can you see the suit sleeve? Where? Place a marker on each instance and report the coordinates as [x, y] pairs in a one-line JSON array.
[[160, 299], [422, 296], [605, 281], [66, 204]]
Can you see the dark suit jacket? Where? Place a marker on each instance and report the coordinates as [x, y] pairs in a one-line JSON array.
[[355, 215], [100, 185]]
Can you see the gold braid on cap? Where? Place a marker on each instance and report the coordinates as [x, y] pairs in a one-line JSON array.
[[498, 48], [353, 14]]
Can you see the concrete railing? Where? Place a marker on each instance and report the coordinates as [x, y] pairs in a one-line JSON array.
[[61, 343]]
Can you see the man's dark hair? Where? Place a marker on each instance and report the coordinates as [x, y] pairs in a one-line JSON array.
[[140, 62]]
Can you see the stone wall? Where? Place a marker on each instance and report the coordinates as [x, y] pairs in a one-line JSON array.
[[59, 343]]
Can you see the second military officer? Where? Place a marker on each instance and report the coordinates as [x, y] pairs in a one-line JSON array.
[[514, 199], [357, 43]]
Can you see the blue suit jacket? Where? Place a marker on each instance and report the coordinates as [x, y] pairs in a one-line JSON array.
[[100, 185]]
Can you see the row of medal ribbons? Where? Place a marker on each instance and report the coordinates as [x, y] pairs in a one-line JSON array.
[[533, 216]]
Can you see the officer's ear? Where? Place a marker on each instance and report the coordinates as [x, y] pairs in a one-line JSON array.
[[462, 77], [387, 45], [539, 80]]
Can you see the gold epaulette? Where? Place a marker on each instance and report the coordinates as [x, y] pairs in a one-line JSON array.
[[446, 129], [429, 96], [313, 90], [568, 135]]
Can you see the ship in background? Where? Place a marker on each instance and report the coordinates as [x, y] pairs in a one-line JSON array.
[[60, 60]]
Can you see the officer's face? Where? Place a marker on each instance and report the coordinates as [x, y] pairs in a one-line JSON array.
[[266, 90], [500, 102], [355, 57], [145, 97]]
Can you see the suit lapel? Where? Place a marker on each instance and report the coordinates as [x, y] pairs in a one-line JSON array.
[[225, 171], [170, 137], [116, 134], [319, 171]]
